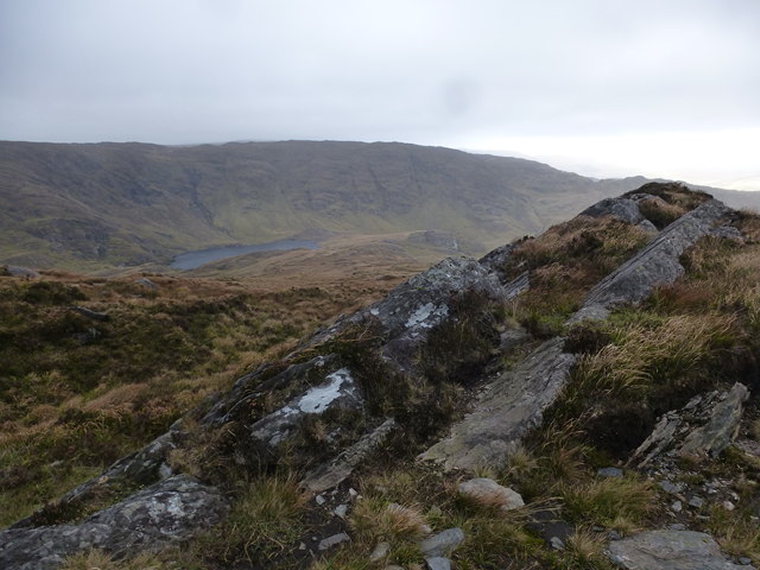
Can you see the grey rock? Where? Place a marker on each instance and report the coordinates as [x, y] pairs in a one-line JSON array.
[[497, 259], [442, 543], [90, 314], [489, 493], [339, 390], [18, 271], [514, 403], [145, 282], [174, 509], [517, 286], [235, 403], [706, 425], [334, 540], [505, 410], [624, 209], [329, 475], [556, 543], [676, 507], [142, 467], [438, 563], [727, 232], [721, 428], [744, 561], [610, 472], [656, 264], [696, 502], [380, 552], [669, 550], [341, 510], [672, 488], [412, 309]]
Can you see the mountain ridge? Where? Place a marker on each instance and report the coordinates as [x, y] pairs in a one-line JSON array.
[[88, 206]]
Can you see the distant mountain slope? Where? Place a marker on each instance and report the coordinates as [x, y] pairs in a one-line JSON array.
[[88, 205]]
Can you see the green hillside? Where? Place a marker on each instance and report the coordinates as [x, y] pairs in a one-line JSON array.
[[88, 206]]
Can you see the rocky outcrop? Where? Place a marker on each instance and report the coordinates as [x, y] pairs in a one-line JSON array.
[[509, 407], [514, 403], [172, 510], [334, 377], [705, 426], [670, 550], [329, 475], [624, 209], [656, 264]]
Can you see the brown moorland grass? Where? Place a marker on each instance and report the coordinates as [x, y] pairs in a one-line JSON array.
[[78, 393]]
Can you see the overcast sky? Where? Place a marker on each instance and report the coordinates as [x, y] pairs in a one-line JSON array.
[[604, 87]]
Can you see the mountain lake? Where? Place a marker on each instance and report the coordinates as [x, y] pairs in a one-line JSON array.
[[193, 259]]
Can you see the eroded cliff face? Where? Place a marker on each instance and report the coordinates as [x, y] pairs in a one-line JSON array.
[[457, 369]]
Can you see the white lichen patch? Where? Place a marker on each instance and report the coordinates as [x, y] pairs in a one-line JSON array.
[[422, 316], [316, 400]]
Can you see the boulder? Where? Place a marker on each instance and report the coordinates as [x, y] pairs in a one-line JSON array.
[[705, 426], [443, 543], [170, 511], [670, 550]]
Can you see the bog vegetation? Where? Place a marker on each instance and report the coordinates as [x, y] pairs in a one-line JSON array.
[[117, 383]]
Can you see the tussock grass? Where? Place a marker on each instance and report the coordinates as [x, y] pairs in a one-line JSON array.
[[737, 533], [651, 363], [564, 263], [375, 519], [99, 560], [660, 212], [609, 501], [77, 394], [263, 523]]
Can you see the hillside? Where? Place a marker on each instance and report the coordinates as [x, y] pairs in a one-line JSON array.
[[585, 399], [89, 206]]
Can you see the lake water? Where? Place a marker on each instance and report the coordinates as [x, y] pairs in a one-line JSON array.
[[193, 259]]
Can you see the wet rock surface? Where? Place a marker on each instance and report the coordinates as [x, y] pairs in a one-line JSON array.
[[670, 550]]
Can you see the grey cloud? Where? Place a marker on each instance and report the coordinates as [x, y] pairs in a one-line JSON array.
[[189, 71]]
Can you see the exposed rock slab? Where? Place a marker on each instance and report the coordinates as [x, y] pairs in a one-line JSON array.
[[670, 550], [331, 474], [339, 389], [656, 264], [705, 426], [516, 400], [509, 407], [443, 543], [142, 467], [172, 510]]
